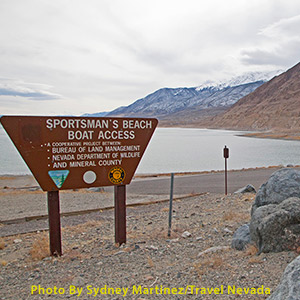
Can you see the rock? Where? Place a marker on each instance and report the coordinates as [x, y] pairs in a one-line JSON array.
[[148, 277], [213, 250], [186, 234], [249, 188], [17, 241], [276, 228], [151, 247], [227, 230], [241, 237], [289, 287], [120, 252], [78, 281], [282, 184], [96, 189], [48, 258], [33, 189], [172, 240]]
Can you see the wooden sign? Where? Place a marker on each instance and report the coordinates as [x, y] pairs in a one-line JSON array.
[[80, 152], [226, 152]]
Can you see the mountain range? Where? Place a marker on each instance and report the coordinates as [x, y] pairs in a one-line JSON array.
[[187, 106], [254, 101]]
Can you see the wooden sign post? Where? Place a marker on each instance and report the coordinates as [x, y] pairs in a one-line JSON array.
[[120, 214], [80, 152], [54, 223]]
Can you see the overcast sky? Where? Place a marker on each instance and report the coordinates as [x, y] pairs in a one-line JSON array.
[[86, 56]]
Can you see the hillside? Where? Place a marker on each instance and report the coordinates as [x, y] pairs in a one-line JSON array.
[[274, 106]]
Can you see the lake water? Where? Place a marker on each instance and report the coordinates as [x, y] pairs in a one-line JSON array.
[[186, 150]]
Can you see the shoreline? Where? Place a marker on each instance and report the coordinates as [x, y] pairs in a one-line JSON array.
[[166, 174], [272, 136], [290, 136], [189, 173]]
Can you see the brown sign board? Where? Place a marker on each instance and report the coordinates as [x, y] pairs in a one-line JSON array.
[[226, 152], [80, 152]]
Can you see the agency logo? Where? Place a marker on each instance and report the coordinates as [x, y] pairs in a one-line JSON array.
[[116, 175]]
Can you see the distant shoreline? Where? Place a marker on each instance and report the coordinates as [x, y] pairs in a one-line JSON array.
[[248, 133], [275, 136]]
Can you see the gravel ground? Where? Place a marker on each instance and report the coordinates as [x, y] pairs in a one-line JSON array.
[[24, 204], [151, 264]]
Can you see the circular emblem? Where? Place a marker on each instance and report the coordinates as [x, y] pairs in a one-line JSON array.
[[89, 177], [116, 175]]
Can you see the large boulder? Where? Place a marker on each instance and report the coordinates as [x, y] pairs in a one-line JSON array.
[[241, 237], [276, 228], [282, 184], [289, 287]]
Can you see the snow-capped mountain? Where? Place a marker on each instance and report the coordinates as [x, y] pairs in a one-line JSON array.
[[166, 102], [248, 77], [171, 100]]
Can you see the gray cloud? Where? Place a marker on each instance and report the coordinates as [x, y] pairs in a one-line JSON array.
[[31, 91], [279, 44], [285, 56]]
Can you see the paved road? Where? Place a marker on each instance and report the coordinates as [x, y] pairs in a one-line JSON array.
[[212, 182], [139, 190], [187, 184]]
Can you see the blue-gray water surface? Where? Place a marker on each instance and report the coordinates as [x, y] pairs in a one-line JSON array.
[[187, 150]]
